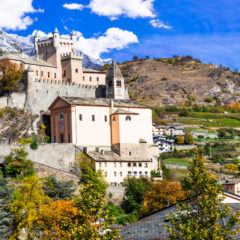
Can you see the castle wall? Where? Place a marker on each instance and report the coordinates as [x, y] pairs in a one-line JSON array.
[[41, 93], [58, 156]]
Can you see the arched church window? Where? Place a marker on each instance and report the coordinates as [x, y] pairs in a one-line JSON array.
[[128, 118], [119, 83], [61, 117]]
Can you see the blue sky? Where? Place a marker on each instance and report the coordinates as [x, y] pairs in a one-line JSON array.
[[207, 30]]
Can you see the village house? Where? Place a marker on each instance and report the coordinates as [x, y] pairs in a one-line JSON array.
[[171, 130], [164, 145], [231, 185]]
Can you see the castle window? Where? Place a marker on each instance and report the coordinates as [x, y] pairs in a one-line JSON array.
[[146, 174], [140, 164], [97, 79], [83, 78], [105, 118], [140, 174], [55, 75], [146, 165], [76, 70], [119, 83], [110, 83], [48, 74], [115, 174], [130, 153], [129, 173], [61, 117], [41, 73], [37, 73], [90, 79], [129, 164], [120, 174], [128, 118], [93, 118], [120, 164], [64, 73], [135, 174], [80, 117], [134, 164]]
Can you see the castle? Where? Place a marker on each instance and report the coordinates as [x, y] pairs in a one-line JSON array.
[[56, 70], [89, 109]]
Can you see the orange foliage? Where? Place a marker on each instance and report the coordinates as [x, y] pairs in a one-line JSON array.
[[162, 194], [56, 218], [235, 106]]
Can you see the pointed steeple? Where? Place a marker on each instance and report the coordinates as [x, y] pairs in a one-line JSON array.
[[115, 87]]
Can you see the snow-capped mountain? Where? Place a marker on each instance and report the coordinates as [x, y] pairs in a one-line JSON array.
[[15, 44]]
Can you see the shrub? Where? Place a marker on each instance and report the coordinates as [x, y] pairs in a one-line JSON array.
[[208, 100], [191, 97], [231, 166], [34, 144], [17, 163], [24, 141]]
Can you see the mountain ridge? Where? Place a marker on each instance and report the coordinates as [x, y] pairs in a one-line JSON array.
[[18, 44]]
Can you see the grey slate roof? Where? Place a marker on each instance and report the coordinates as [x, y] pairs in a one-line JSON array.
[[26, 60], [92, 70], [110, 156], [230, 181], [106, 102], [122, 111]]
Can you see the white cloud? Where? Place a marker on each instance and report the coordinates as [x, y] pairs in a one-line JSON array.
[[159, 24], [13, 14], [115, 8], [113, 38], [73, 6]]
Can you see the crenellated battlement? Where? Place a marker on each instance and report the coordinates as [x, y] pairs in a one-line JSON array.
[[69, 55], [55, 82]]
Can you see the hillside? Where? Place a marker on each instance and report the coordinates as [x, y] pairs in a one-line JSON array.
[[176, 81], [15, 124]]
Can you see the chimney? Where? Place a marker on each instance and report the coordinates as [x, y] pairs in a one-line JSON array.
[[102, 152]]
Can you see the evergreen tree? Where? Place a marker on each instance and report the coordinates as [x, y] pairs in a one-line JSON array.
[[202, 216], [57, 189], [6, 218]]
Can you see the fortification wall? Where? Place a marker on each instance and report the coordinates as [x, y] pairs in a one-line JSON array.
[[57, 156], [15, 100], [41, 93]]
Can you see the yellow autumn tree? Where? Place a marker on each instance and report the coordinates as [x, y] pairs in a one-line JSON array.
[[204, 216], [180, 139], [10, 76], [27, 201], [162, 194]]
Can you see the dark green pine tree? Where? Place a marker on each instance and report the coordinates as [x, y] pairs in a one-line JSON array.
[[6, 218], [58, 190]]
